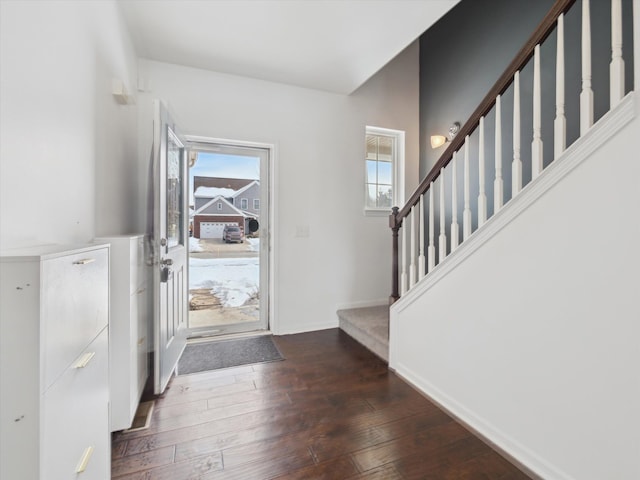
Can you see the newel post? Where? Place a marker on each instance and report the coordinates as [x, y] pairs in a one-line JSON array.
[[394, 223]]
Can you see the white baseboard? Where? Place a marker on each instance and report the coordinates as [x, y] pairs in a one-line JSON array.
[[363, 304], [309, 328], [526, 459]]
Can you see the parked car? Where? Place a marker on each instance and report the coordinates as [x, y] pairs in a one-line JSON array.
[[232, 233]]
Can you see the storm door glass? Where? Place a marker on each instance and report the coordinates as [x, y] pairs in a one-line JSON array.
[[175, 210]]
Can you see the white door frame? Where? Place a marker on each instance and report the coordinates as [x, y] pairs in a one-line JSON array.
[[200, 142]]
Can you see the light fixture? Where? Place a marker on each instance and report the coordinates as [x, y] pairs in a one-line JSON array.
[[439, 140]]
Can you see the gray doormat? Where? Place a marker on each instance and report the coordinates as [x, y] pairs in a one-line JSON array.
[[200, 357]]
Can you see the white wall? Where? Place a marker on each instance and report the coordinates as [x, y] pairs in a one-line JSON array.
[[534, 338], [319, 173], [67, 150]]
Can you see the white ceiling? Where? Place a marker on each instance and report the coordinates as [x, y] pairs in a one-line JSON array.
[[332, 45]]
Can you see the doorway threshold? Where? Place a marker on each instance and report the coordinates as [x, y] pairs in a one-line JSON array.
[[209, 336]]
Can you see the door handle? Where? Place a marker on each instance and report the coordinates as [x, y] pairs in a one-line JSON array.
[[165, 267]]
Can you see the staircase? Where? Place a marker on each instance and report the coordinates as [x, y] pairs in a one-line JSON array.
[[369, 326], [522, 319]]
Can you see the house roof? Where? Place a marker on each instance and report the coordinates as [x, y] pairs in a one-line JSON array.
[[246, 187], [220, 198], [212, 192], [220, 182]]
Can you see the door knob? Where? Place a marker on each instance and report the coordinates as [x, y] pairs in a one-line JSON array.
[[167, 262]]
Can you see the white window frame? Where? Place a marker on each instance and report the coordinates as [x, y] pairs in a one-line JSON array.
[[397, 180], [244, 204], [256, 204], [219, 206]]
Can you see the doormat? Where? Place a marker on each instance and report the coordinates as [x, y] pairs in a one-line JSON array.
[[200, 357]]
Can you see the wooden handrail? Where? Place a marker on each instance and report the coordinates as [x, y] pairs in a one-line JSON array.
[[542, 31]]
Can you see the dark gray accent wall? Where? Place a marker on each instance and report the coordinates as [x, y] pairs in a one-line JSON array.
[[463, 55]]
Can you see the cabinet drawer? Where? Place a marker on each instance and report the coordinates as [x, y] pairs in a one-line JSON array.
[[76, 418], [75, 307]]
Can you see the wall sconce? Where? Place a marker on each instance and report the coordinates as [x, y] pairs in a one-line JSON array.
[[439, 140]]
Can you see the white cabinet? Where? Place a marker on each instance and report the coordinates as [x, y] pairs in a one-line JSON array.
[[54, 389], [128, 345]]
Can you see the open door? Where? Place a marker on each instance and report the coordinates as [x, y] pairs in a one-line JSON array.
[[169, 247]]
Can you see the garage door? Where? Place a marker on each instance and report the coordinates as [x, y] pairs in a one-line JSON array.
[[213, 229]]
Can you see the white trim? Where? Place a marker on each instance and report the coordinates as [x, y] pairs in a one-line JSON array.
[[200, 142], [310, 328], [254, 204], [398, 180], [244, 201], [482, 427], [245, 188], [363, 304], [579, 151]]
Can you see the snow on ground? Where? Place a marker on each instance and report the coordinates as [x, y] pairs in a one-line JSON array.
[[194, 245], [232, 280], [254, 244]]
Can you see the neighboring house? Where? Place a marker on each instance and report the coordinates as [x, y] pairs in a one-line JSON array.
[[217, 205], [220, 182]]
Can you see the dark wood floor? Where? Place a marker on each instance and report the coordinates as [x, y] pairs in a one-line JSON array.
[[331, 410]]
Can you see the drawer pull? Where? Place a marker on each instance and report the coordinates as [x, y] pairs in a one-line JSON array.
[[84, 261], [84, 360], [84, 460]]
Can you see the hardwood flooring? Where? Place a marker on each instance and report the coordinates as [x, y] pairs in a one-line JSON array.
[[331, 410]]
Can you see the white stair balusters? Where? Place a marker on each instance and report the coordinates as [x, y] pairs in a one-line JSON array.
[[421, 261], [498, 184], [536, 145], [586, 96], [466, 213], [415, 262], [412, 248], [442, 247], [454, 203], [404, 279], [482, 197], [431, 250], [560, 122], [616, 69], [516, 166]]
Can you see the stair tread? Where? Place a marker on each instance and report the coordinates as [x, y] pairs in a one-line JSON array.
[[369, 326]]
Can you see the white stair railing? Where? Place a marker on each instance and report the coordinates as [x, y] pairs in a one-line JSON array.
[[411, 218]]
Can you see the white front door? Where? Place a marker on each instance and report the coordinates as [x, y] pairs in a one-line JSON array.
[[169, 243]]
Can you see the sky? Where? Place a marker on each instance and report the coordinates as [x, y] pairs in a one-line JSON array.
[[225, 166]]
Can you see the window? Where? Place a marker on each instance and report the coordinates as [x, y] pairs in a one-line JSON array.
[[256, 204], [219, 206], [384, 158], [244, 203]]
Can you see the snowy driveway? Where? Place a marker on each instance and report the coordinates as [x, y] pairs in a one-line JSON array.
[[234, 281]]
